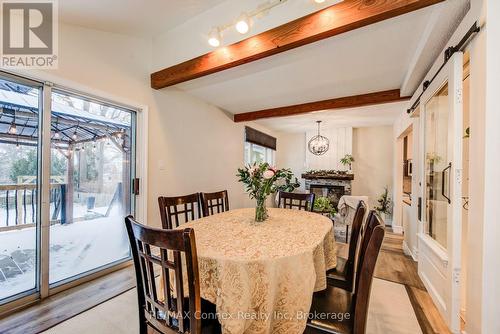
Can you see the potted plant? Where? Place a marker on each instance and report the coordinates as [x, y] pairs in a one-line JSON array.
[[261, 180], [347, 160], [384, 207], [324, 205]]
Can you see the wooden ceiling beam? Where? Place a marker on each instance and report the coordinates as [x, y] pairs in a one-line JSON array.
[[334, 20], [337, 103]]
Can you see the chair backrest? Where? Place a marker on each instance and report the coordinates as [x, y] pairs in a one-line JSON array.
[[370, 248], [179, 209], [353, 243], [214, 202], [298, 201], [150, 250]]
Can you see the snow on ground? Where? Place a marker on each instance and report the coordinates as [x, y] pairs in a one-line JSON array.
[[74, 249], [79, 211]]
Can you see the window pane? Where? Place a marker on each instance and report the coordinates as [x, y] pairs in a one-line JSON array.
[[256, 154], [18, 187], [90, 177], [436, 162]]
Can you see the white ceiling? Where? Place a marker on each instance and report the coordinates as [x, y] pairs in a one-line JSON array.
[[144, 18], [391, 54], [370, 59], [376, 115]]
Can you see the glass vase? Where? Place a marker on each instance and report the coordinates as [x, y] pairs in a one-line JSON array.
[[260, 210]]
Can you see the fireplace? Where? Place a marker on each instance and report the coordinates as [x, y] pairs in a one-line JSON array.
[[333, 193], [332, 186]]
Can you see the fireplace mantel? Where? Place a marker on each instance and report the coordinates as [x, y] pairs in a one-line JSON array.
[[340, 177]]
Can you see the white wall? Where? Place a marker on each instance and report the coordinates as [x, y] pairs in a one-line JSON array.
[[193, 146], [340, 145], [373, 169], [291, 153], [490, 321]]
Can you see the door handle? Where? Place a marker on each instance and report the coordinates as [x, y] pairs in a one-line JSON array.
[[135, 186], [443, 183]]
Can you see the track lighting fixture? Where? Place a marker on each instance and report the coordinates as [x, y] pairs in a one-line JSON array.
[[242, 23]]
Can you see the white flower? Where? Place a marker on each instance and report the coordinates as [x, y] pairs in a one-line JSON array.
[[252, 170], [268, 174]]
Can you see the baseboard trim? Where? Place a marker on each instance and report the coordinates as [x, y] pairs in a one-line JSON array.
[[397, 229]]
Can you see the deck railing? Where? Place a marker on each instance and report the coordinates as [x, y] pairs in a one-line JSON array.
[[18, 205]]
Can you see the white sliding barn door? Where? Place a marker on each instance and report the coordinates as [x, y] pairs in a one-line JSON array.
[[441, 165]]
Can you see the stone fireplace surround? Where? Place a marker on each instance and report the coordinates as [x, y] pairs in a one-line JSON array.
[[332, 186]]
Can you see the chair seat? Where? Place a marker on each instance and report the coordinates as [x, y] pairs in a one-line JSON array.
[[338, 276], [331, 312], [209, 322]]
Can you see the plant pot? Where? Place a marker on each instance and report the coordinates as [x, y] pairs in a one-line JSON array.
[[387, 217]]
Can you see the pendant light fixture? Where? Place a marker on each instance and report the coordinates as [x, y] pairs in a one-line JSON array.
[[318, 145]]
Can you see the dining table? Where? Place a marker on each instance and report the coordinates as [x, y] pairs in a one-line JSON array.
[[262, 275]]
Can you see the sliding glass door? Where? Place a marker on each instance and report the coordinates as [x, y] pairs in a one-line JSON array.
[[19, 168], [90, 181], [65, 187]]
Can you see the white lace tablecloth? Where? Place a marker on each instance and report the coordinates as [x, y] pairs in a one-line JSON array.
[[261, 276]]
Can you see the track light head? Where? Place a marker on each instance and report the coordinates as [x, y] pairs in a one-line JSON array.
[[243, 24], [214, 37]]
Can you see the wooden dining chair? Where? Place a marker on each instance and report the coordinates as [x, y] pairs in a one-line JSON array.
[[298, 201], [342, 276], [338, 301], [179, 209], [216, 202], [170, 312]]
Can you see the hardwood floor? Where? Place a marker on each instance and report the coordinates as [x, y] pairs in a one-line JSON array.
[[69, 303], [393, 265]]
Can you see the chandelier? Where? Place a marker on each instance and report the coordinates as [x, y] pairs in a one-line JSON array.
[[318, 145]]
